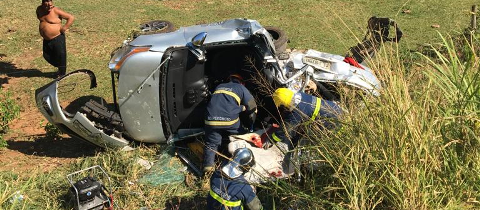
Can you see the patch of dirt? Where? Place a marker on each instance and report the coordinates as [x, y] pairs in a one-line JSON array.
[[29, 123], [42, 154], [25, 60], [181, 5]]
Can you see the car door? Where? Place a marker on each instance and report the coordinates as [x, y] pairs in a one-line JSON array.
[[183, 91]]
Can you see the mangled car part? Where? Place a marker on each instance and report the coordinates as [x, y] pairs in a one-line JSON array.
[[165, 79], [76, 124], [325, 68]]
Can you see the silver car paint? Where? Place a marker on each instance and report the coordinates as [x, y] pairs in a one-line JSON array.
[[79, 124], [229, 30], [340, 72], [139, 93], [140, 111]]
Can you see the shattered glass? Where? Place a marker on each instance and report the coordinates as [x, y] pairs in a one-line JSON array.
[[166, 170]]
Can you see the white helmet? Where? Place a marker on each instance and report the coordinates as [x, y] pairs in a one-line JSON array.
[[243, 160]]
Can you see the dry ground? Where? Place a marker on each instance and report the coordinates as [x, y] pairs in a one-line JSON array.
[[28, 147]]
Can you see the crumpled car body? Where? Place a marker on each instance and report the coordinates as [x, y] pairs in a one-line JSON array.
[[76, 124], [164, 81]]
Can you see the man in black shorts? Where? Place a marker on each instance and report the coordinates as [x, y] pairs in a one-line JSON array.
[[53, 33]]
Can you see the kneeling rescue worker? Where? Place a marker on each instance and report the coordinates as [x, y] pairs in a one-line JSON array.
[[297, 108], [228, 187], [222, 116]]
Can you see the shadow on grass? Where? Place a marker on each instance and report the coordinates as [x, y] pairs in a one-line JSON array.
[[47, 147], [191, 203], [10, 70], [67, 199]]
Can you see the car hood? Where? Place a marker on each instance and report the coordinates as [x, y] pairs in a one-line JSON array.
[[228, 30]]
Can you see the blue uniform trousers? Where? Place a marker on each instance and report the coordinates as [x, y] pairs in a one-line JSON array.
[[214, 136]]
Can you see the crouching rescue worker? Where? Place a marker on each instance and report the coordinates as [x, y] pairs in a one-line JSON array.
[[222, 116], [228, 187], [297, 108]]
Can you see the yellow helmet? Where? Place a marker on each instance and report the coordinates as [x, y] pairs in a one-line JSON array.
[[283, 97]]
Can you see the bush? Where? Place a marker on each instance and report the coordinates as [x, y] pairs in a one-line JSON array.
[[52, 131], [9, 110]]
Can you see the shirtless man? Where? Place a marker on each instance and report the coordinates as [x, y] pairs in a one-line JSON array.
[[53, 33]]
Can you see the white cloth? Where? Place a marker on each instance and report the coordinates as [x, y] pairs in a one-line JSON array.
[[268, 162]]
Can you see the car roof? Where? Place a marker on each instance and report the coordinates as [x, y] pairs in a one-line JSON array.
[[228, 30]]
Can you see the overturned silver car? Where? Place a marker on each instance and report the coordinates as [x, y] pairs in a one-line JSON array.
[[164, 81]]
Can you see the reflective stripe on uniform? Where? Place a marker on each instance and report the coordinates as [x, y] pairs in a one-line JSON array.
[[230, 93], [317, 109], [225, 202], [275, 137], [221, 123]]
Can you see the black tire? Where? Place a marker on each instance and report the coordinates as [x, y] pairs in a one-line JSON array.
[[279, 38], [156, 27]]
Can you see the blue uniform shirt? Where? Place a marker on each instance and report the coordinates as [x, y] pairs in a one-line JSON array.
[[232, 194], [307, 107], [226, 104]]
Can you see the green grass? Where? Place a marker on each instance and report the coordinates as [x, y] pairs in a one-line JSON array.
[[50, 190], [101, 26], [415, 147], [9, 110]]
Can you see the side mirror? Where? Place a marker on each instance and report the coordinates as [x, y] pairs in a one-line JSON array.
[[198, 39], [196, 46]]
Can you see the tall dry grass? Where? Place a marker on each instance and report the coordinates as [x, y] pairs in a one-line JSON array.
[[413, 147]]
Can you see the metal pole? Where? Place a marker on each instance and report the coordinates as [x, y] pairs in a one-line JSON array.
[[115, 104]]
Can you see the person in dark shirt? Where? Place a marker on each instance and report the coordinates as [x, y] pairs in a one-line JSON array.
[[222, 116], [298, 108], [228, 187]]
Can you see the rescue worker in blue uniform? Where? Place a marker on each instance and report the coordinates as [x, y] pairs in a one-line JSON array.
[[298, 108], [228, 187], [222, 116]]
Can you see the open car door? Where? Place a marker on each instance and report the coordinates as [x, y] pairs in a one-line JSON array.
[[183, 92]]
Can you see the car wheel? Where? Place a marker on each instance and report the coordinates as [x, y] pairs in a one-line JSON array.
[[279, 38], [156, 27]]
